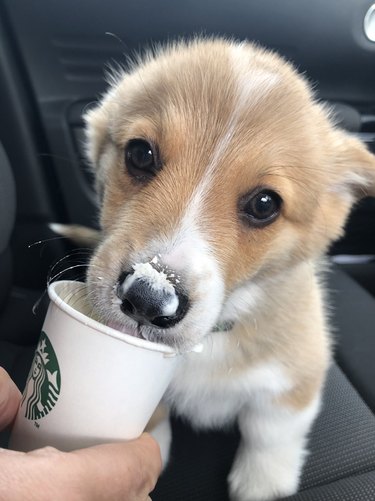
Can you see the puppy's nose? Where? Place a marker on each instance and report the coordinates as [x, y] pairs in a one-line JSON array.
[[151, 300]]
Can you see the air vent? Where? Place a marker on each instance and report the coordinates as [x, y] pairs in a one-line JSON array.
[[85, 59]]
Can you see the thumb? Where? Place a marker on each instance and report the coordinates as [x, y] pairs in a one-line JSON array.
[[122, 469], [10, 398]]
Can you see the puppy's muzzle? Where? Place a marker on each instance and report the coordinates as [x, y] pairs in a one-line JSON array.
[[151, 302]]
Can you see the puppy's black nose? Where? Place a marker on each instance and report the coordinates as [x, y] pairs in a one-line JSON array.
[[151, 303]]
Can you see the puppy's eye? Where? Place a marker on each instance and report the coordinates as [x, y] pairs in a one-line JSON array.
[[141, 159], [260, 207]]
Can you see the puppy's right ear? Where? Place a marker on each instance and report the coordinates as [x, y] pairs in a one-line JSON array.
[[96, 131]]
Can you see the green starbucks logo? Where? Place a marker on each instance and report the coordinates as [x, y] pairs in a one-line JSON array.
[[44, 382]]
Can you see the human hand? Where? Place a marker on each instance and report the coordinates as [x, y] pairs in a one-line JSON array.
[[125, 471]]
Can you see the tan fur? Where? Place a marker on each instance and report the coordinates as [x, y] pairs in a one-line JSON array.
[[172, 103], [296, 151], [214, 131]]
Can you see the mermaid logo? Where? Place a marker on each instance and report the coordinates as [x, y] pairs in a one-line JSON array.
[[44, 382]]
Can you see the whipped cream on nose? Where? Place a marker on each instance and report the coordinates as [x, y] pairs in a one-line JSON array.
[[159, 279]]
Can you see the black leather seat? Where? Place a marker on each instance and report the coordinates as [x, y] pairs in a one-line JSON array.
[[341, 465]]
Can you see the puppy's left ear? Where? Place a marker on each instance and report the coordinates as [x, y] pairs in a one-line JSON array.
[[354, 173], [349, 176]]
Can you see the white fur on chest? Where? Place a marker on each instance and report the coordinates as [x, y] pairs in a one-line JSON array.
[[210, 388]]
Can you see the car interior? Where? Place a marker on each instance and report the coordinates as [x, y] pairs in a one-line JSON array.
[[53, 61]]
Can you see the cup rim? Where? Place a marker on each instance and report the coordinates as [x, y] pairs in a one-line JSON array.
[[94, 324]]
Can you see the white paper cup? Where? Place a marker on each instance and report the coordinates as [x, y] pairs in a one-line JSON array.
[[88, 383]]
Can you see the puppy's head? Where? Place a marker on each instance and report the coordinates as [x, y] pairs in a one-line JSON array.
[[216, 169]]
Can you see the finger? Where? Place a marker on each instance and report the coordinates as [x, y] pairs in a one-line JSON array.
[[108, 472], [10, 398], [114, 469]]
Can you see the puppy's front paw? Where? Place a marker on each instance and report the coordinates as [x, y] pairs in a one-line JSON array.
[[262, 475]]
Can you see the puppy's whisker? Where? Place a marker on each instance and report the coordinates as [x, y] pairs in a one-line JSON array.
[[37, 302], [58, 263], [39, 242], [57, 275], [76, 297], [119, 39], [43, 294], [57, 157], [65, 258], [81, 250], [88, 106]]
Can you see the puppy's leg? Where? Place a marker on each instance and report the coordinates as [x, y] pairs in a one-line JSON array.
[[270, 458], [159, 427]]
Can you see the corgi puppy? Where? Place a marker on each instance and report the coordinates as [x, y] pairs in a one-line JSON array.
[[222, 183]]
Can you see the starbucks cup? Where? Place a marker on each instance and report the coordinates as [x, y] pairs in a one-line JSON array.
[[88, 383]]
